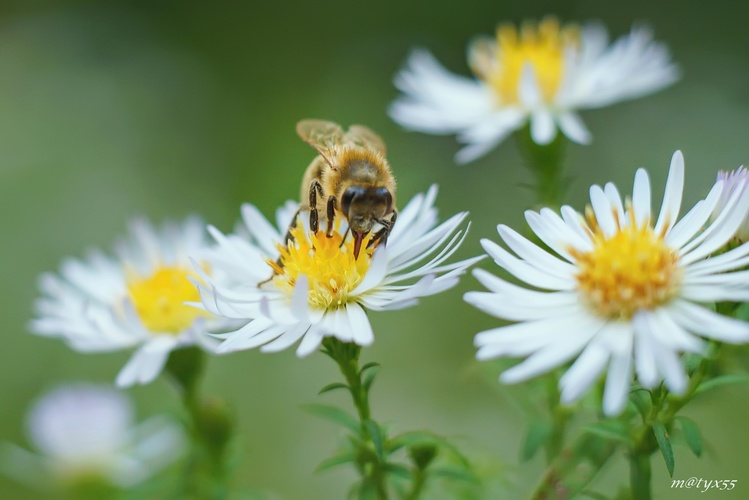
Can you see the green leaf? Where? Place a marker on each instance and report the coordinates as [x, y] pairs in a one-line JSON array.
[[641, 399], [374, 432], [742, 312], [722, 381], [537, 435], [692, 435], [334, 415], [368, 373], [332, 387], [398, 470], [665, 445], [612, 430], [336, 460], [371, 364], [453, 473]]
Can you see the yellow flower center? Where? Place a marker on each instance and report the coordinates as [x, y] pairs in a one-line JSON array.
[[631, 270], [159, 300], [542, 47], [328, 264]]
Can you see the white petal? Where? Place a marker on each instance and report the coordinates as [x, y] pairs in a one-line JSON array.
[[573, 127], [671, 205], [543, 129], [641, 197], [709, 324], [360, 326]]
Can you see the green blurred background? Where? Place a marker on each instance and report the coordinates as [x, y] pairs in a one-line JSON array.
[[114, 109]]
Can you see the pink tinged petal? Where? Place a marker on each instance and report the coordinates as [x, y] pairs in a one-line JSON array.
[[618, 383], [604, 212], [261, 230], [584, 372], [286, 339], [310, 342], [543, 129], [360, 326], [534, 255], [573, 127], [641, 197], [702, 321], [720, 231], [672, 195], [694, 220], [524, 271], [561, 350]]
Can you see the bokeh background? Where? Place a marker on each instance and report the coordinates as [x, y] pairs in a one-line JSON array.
[[110, 110]]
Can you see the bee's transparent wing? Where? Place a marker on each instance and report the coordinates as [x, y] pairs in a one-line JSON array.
[[363, 137], [322, 135]]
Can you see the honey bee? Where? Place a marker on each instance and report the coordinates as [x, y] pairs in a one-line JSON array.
[[349, 176]]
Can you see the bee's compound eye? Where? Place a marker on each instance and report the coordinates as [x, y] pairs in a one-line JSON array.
[[348, 197], [383, 194]]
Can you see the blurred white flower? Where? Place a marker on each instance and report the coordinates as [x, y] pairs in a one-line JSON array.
[[84, 431], [137, 300], [314, 287], [623, 288], [541, 74], [734, 180]]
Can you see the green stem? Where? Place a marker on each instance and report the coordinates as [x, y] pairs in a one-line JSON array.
[[566, 476], [210, 428], [559, 419], [639, 476], [346, 356], [545, 161]]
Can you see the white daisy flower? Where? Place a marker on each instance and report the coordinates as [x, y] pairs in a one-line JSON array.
[[135, 301], [619, 287], [734, 180], [542, 74], [313, 287], [84, 431]]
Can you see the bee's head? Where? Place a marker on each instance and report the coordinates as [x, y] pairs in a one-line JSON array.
[[363, 206]]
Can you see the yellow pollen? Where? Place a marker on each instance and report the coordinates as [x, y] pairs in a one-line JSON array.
[[159, 300], [542, 47], [631, 270], [330, 266]]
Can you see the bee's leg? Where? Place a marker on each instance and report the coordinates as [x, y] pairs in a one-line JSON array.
[[331, 216], [343, 239], [383, 233], [314, 188], [290, 237]]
